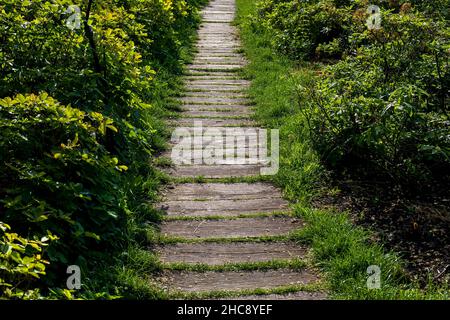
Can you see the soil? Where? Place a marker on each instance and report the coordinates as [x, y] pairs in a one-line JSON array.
[[417, 227]]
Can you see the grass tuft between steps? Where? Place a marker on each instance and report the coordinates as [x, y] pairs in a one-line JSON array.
[[293, 264], [311, 287], [161, 239], [202, 179], [275, 214], [234, 117]]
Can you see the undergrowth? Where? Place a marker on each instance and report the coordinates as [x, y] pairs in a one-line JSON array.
[[341, 250]]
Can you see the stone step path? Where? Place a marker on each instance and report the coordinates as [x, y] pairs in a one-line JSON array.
[[211, 281], [221, 236], [219, 253], [229, 229]]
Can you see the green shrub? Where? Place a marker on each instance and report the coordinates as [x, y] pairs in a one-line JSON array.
[[308, 29], [40, 53], [77, 127], [436, 8], [58, 177], [21, 263], [315, 29], [165, 21], [387, 105], [107, 65]]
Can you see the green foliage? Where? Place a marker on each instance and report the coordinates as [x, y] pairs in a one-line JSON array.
[[80, 113], [21, 263], [387, 105], [168, 20], [58, 177], [384, 105], [339, 248], [107, 65], [435, 8], [345, 252], [303, 29], [310, 29]]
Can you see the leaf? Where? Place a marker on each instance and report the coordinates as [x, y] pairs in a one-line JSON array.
[[4, 226], [41, 218], [92, 235], [112, 128], [122, 168], [43, 96]]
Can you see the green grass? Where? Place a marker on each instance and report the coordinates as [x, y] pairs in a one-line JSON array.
[[163, 162], [312, 287], [220, 217], [274, 81], [201, 179], [345, 251], [243, 117], [342, 250], [293, 264], [173, 240], [127, 278]]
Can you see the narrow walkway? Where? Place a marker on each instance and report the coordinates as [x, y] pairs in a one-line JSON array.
[[225, 238]]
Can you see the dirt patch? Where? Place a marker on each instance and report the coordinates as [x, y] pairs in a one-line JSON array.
[[418, 228]]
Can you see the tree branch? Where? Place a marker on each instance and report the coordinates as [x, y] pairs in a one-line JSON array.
[[89, 33]]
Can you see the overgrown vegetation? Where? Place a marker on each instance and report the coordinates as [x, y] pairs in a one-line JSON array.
[[290, 89], [344, 252], [82, 91], [81, 97], [383, 108]]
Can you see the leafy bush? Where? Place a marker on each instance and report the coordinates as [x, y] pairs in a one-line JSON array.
[[65, 65], [387, 105], [21, 263], [435, 8], [308, 29], [77, 122], [168, 20], [58, 177], [311, 29]]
